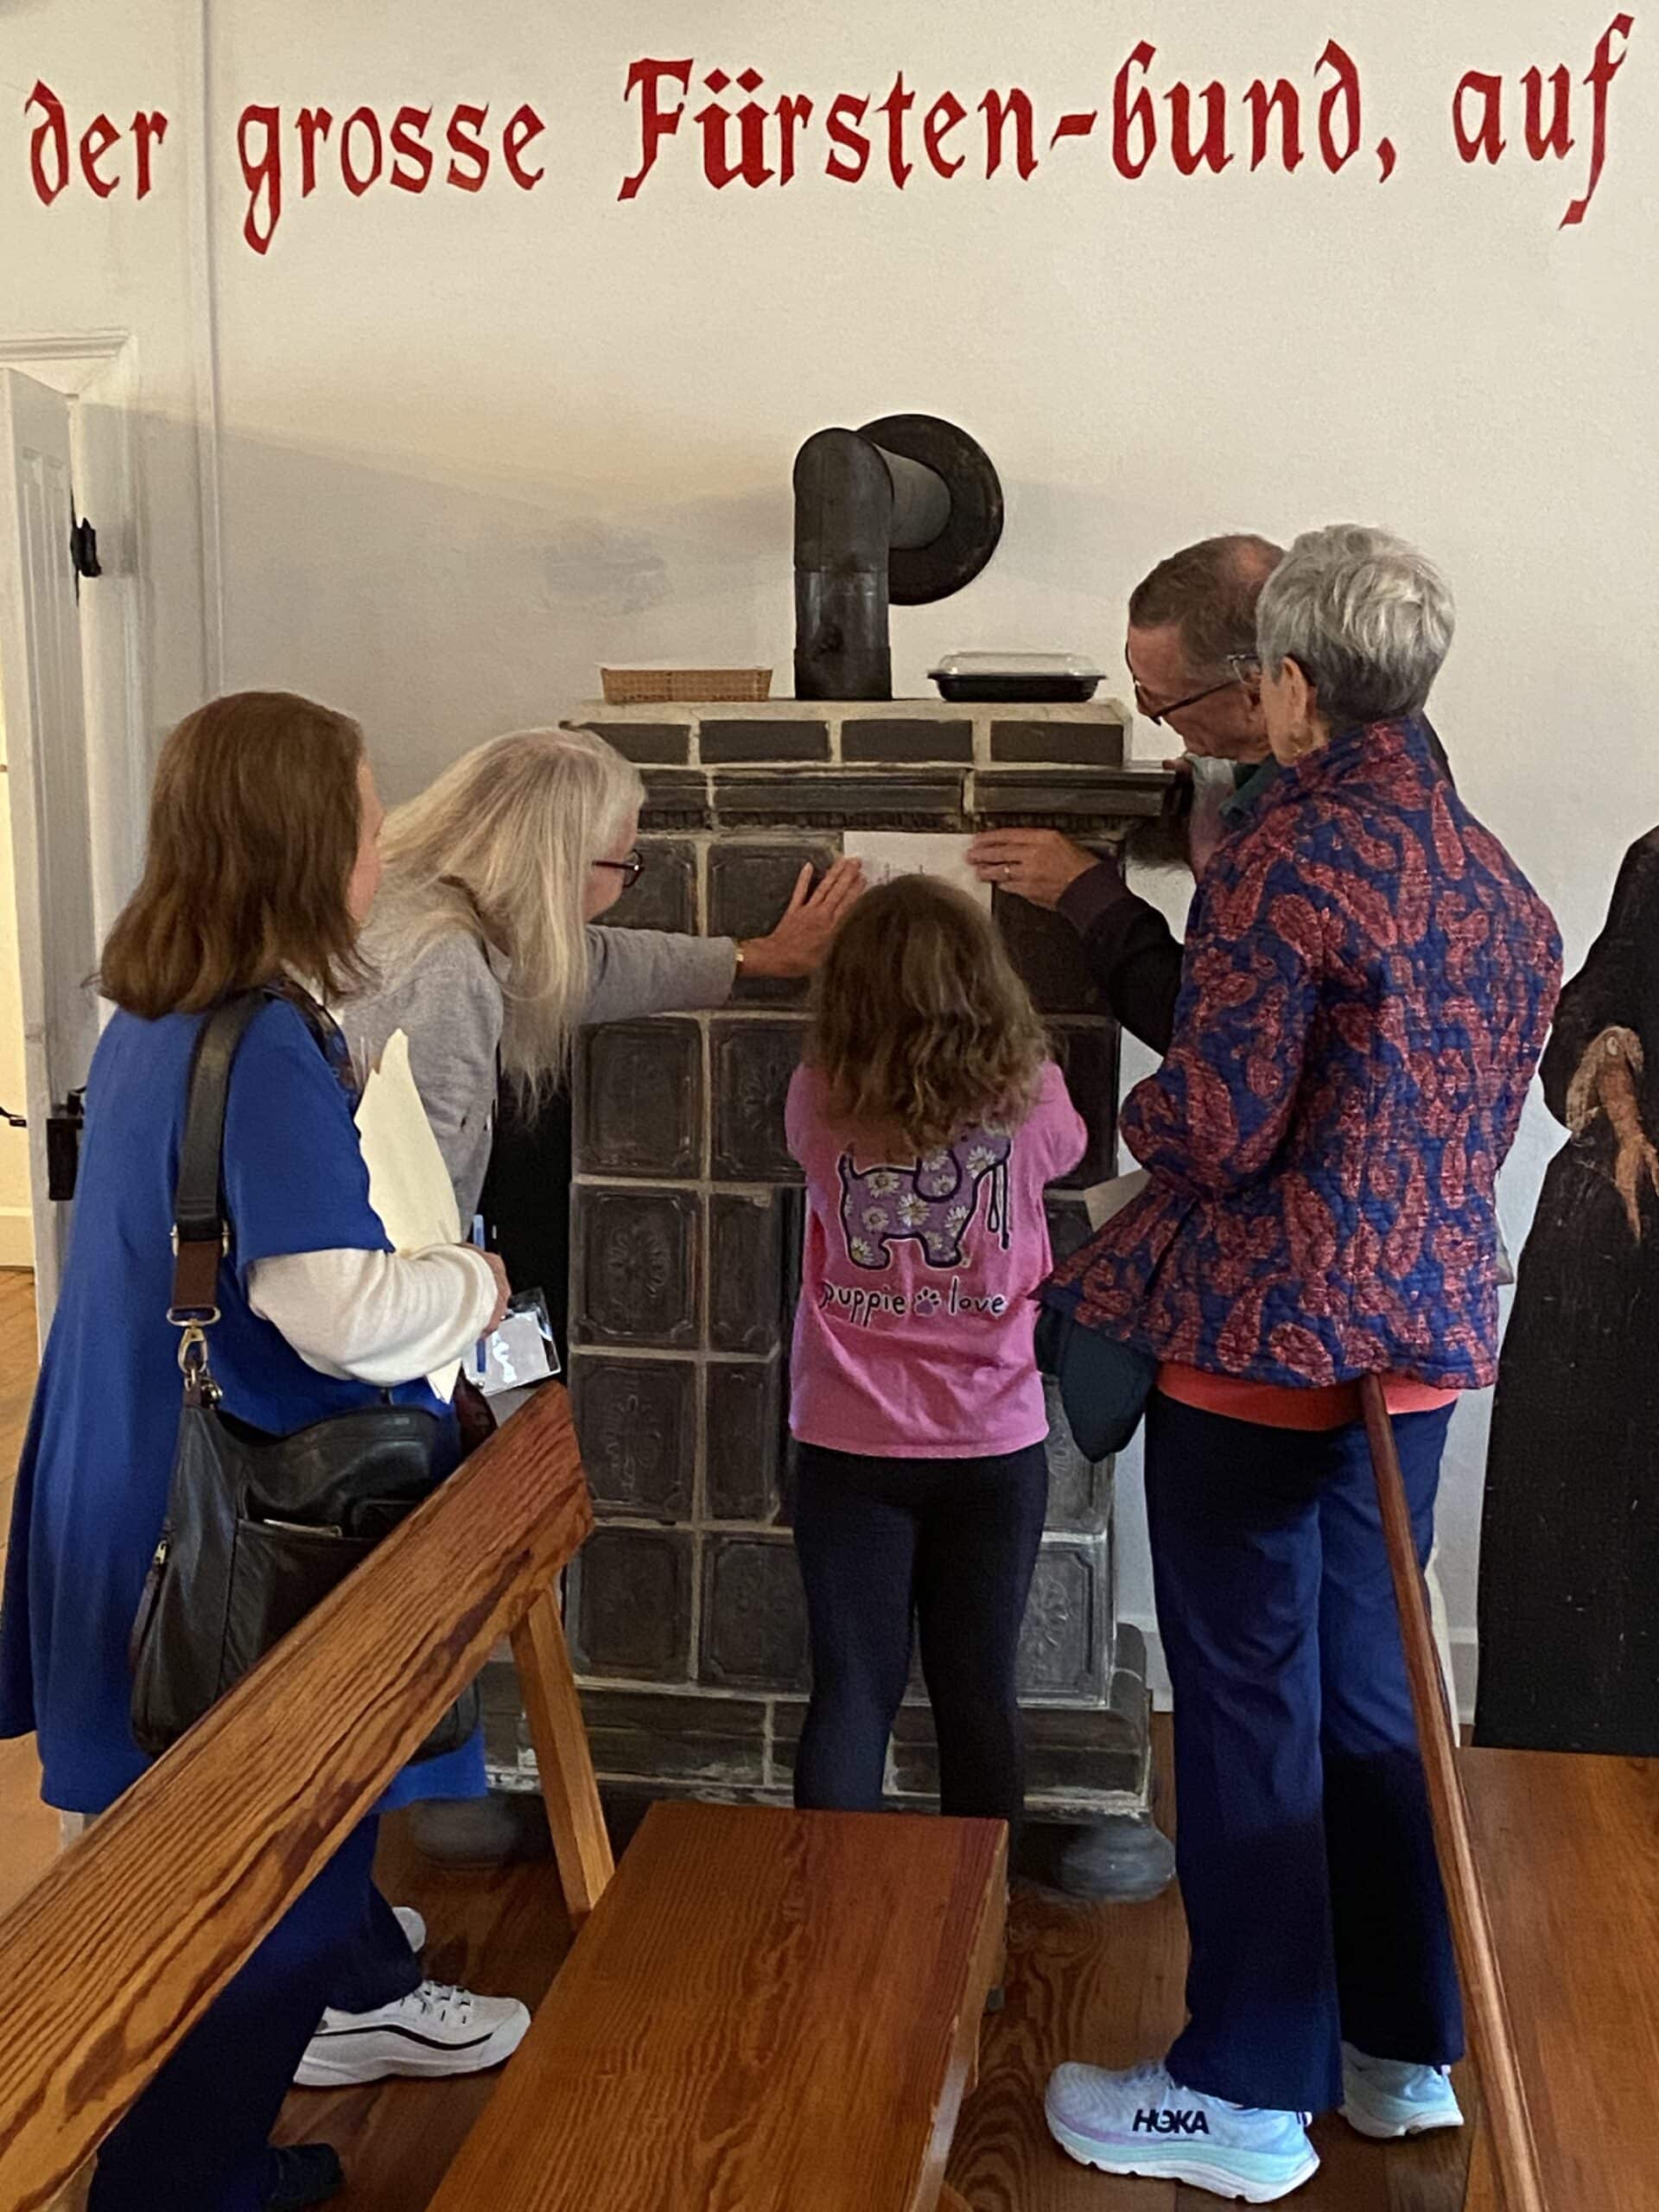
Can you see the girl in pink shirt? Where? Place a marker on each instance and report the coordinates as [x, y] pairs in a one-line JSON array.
[[927, 1118]]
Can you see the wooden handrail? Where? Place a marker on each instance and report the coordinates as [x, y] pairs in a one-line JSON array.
[[1515, 2153], [126, 1942]]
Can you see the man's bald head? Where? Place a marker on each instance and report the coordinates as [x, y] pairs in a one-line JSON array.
[[1207, 593]]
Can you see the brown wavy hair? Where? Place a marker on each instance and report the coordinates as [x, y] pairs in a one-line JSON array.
[[254, 823], [921, 1029]]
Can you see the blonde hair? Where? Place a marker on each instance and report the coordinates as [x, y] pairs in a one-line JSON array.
[[921, 1029], [501, 847]]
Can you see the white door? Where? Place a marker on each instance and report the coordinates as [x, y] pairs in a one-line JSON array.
[[43, 703]]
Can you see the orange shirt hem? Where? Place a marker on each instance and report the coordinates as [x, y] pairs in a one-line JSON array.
[[1271, 1405]]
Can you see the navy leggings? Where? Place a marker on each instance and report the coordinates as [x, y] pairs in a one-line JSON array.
[[949, 1545], [1303, 1838], [195, 2141]]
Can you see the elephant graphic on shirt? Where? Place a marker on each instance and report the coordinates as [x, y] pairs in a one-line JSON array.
[[931, 1204]]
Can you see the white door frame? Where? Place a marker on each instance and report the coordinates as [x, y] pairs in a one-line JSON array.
[[99, 369], [100, 366]]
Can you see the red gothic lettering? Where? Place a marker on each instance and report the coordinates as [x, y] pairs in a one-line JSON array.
[[357, 183], [1000, 110], [852, 156], [1138, 113], [316, 123], [466, 146], [148, 130], [656, 122], [523, 126], [946, 112], [263, 176], [1557, 138], [794, 113], [1189, 159], [409, 132], [1485, 134], [750, 168], [751, 124], [1287, 100], [96, 141], [896, 107], [50, 142], [1603, 71], [1344, 93]]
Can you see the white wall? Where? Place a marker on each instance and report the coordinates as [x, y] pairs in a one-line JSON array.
[[470, 446]]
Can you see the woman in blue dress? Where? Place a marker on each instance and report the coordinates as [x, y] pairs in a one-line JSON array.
[[262, 864]]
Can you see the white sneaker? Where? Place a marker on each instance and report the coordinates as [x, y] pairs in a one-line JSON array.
[[1385, 2098], [1140, 2122], [412, 1925], [434, 2030]]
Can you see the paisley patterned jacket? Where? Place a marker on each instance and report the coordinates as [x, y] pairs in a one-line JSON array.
[[1367, 986]]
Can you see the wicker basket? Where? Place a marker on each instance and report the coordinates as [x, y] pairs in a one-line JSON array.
[[637, 687]]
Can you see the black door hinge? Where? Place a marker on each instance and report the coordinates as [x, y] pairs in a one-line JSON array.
[[83, 549], [63, 1129]]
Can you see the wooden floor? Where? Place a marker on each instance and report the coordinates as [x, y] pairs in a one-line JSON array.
[[1571, 1852], [1102, 1984], [29, 1834]]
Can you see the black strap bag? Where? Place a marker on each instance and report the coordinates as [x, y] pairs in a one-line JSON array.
[[1104, 1385], [259, 1528]]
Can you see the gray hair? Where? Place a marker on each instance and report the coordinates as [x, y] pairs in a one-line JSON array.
[[500, 847], [1367, 618]]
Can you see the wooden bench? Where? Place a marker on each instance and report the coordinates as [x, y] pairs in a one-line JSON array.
[[768, 2012], [767, 2009]]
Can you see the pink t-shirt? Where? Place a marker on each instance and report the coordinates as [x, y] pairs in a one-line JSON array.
[[914, 1334]]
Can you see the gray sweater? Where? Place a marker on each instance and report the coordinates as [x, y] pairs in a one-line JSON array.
[[449, 1002]]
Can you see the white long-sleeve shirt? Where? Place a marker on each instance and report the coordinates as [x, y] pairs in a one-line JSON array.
[[375, 1317]]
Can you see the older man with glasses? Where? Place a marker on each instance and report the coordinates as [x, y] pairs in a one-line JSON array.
[[1193, 664], [1191, 659]]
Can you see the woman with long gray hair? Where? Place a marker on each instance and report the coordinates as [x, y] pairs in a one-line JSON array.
[[1366, 984], [483, 940]]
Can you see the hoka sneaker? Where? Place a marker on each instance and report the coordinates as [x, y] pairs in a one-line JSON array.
[[1385, 2098], [434, 2030], [1140, 2122]]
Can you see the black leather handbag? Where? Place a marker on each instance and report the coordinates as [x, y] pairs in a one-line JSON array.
[[1104, 1386], [259, 1528]]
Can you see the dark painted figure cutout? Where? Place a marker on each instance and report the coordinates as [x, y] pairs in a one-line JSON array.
[[1569, 1569]]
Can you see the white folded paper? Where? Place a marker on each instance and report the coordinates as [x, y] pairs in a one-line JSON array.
[[889, 853], [408, 1184]]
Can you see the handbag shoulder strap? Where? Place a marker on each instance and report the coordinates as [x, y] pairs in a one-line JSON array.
[[199, 1231]]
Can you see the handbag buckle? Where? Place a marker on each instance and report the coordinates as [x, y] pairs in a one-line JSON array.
[[199, 1387]]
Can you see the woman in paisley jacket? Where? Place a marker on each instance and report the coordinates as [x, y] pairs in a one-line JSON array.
[[1367, 985]]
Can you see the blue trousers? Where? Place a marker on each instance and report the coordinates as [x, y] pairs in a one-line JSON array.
[[195, 2141], [379, 1967], [1303, 1837]]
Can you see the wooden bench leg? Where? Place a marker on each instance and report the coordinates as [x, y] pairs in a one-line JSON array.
[[950, 2201], [556, 1732]]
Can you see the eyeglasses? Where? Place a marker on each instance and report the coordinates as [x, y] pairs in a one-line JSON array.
[[630, 869], [1242, 667]]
